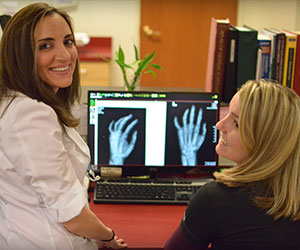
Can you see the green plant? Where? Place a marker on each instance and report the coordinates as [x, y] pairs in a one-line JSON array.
[[132, 72]]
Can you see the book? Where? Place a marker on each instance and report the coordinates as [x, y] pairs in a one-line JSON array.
[[296, 84], [272, 37], [216, 55], [289, 59], [246, 55], [263, 57], [229, 86], [279, 54], [258, 64]]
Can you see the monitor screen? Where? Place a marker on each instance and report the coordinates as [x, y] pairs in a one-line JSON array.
[[153, 129]]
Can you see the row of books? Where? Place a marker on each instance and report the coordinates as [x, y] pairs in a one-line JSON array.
[[237, 54]]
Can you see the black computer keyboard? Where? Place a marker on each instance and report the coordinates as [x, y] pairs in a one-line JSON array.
[[146, 191]]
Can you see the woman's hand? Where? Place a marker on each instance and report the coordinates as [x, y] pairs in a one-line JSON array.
[[114, 244]]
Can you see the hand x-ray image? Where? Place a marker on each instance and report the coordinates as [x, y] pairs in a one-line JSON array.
[[186, 123], [119, 144], [123, 134], [189, 136], [153, 129]]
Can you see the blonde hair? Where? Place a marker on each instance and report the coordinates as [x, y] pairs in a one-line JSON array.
[[269, 127]]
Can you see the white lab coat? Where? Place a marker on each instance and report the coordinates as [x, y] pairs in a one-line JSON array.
[[42, 171]]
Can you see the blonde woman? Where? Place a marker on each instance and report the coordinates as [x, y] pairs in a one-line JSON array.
[[256, 203]]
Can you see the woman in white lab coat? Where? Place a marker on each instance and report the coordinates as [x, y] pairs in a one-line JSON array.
[[43, 160]]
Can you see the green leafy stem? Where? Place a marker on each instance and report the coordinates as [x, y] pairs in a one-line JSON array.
[[138, 67]]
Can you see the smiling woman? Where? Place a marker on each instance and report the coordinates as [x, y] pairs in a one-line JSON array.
[[258, 197], [56, 51], [43, 160], [230, 145]]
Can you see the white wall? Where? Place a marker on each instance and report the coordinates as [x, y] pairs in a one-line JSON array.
[[269, 13], [120, 19]]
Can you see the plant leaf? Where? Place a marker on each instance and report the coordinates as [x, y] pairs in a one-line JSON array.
[[134, 63], [155, 66], [144, 63], [138, 67], [136, 53], [150, 71], [121, 56], [104, 59], [123, 65]]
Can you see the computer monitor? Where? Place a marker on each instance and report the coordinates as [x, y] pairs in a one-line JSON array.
[[153, 129]]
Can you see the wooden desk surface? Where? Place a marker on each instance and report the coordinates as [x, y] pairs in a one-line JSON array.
[[141, 226]]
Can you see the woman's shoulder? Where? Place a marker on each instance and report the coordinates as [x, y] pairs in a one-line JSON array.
[[214, 186], [21, 108], [21, 99], [214, 199], [19, 103], [218, 191]]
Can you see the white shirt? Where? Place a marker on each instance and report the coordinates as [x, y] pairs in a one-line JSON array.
[[42, 171]]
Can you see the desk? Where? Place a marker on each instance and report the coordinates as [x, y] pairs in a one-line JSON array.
[[141, 226]]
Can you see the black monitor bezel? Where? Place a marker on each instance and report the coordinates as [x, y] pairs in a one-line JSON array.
[[130, 170]]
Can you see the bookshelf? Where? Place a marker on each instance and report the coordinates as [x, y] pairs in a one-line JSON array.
[[271, 54]]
